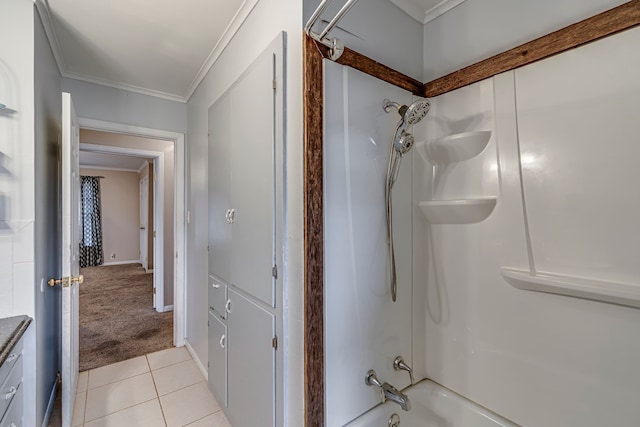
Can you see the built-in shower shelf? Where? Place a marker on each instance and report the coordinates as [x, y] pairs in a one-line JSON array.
[[459, 211], [454, 148], [579, 287]]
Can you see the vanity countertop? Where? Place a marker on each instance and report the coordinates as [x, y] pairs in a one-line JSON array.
[[11, 330]]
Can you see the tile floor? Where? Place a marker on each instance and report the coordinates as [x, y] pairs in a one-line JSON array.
[[160, 389]]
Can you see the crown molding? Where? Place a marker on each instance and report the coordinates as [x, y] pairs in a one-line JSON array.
[[42, 6], [422, 15], [236, 22], [124, 86]]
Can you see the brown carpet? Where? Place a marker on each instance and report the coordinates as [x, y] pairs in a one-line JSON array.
[[117, 318]]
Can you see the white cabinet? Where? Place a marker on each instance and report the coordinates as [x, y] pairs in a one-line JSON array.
[[242, 182], [218, 359], [251, 363], [246, 175]]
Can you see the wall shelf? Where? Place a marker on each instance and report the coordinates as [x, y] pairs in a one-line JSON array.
[[454, 148], [578, 287], [460, 211]]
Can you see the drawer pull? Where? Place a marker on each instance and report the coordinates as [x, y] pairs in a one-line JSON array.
[[12, 357], [222, 340], [227, 306], [12, 391], [215, 285]]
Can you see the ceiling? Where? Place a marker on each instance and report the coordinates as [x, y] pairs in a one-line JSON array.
[[161, 48], [111, 161], [424, 11]]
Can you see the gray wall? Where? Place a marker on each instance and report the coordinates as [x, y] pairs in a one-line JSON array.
[[479, 29], [382, 32]]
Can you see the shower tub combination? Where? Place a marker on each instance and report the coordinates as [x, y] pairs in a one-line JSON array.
[[431, 406]]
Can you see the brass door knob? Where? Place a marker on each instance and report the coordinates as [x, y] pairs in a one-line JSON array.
[[66, 281]]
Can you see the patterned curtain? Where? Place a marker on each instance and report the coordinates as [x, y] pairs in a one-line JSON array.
[[91, 222]]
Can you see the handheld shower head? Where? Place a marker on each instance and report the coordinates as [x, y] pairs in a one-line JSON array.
[[411, 114], [403, 143]]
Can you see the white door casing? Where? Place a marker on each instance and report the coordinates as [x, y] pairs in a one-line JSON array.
[[70, 256], [144, 223]]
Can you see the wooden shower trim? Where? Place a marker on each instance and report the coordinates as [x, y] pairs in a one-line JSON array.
[[604, 24]]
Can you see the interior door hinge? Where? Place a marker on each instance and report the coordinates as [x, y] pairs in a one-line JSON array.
[[275, 84], [274, 343], [208, 248], [274, 271], [208, 364], [154, 291]]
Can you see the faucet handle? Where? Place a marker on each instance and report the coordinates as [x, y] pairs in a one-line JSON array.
[[400, 365], [371, 379]]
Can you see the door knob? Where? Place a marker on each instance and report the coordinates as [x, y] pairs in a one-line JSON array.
[[66, 281]]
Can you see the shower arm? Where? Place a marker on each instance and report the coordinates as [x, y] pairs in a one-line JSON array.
[[335, 45]]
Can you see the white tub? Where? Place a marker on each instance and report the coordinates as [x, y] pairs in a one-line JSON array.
[[431, 406]]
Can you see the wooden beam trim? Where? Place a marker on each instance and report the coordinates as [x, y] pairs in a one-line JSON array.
[[604, 24], [313, 236], [356, 60]]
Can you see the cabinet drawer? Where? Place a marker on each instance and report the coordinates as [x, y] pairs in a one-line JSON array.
[[217, 296], [13, 417], [11, 359], [8, 390]]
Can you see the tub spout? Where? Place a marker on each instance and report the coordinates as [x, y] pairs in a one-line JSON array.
[[395, 395]]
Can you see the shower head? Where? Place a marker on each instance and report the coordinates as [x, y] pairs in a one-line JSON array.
[[403, 143], [411, 114]]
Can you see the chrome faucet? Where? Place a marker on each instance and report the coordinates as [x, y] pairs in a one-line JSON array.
[[387, 391], [400, 365]]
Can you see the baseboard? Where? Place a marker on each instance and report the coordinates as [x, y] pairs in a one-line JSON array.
[[150, 271], [196, 359], [137, 261], [52, 402], [168, 308]]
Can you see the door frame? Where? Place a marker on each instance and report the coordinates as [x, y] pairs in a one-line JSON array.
[[158, 209], [145, 244], [179, 231]]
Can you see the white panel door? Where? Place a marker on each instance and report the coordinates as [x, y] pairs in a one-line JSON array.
[[219, 187], [70, 257], [251, 363], [253, 179]]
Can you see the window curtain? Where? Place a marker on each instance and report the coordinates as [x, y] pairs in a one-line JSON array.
[[91, 222]]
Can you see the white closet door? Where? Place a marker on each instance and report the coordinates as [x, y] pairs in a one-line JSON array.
[[220, 232], [251, 363], [252, 179]]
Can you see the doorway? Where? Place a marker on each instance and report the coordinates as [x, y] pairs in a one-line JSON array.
[[169, 282]]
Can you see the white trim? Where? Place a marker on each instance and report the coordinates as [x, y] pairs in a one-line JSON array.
[[106, 168], [236, 22], [142, 167], [133, 261], [42, 7], [179, 291], [196, 359], [52, 402], [168, 308], [423, 15], [110, 149], [123, 86]]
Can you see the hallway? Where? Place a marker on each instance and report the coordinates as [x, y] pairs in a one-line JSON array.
[[165, 388]]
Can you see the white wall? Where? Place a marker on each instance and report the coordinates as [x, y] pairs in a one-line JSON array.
[[562, 162], [266, 21], [478, 29], [379, 30], [120, 210]]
